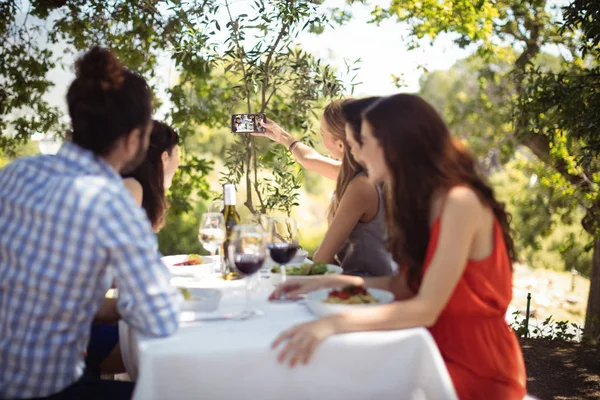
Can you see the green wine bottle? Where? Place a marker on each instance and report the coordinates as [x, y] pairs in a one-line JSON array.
[[232, 218]]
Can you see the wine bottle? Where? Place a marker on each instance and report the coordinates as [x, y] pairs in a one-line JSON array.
[[232, 218]]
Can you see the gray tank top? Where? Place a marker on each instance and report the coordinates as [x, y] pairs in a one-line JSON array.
[[364, 253]]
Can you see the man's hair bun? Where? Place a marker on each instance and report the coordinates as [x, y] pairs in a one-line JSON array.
[[100, 66]]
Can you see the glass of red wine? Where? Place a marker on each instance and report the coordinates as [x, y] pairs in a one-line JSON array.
[[247, 249], [283, 242]]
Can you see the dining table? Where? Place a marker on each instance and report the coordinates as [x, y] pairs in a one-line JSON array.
[[213, 355]]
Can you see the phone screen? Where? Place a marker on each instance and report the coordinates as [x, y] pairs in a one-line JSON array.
[[247, 123]]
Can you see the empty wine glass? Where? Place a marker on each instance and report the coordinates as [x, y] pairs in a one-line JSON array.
[[212, 232], [247, 249], [282, 242]]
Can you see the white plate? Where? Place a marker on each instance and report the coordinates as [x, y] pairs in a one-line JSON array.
[[203, 300], [196, 271], [300, 257], [314, 301]]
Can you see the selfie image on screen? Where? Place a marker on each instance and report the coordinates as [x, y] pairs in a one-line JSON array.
[[259, 120], [247, 123], [243, 123]]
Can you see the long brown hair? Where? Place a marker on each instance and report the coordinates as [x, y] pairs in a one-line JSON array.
[[423, 158], [150, 174], [334, 118]]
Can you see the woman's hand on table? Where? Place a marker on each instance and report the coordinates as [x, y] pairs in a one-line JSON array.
[[293, 288], [302, 340]]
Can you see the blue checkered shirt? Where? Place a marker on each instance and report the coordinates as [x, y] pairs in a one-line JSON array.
[[67, 224]]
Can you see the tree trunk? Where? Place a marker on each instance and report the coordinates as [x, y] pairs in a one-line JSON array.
[[592, 318]]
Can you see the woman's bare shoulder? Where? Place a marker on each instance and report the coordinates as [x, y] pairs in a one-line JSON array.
[[135, 188]]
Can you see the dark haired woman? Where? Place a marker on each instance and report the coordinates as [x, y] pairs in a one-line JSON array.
[[153, 177], [147, 184], [356, 233], [452, 238]]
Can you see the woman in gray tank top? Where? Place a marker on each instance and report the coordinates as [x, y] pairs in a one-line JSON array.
[[362, 253], [356, 234]]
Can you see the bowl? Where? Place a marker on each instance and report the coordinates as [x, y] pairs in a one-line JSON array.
[[314, 301], [188, 271], [202, 299]]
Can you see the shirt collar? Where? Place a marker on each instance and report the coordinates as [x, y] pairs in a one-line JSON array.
[[86, 161]]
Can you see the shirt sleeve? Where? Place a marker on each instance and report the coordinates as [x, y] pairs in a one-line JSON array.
[[147, 301]]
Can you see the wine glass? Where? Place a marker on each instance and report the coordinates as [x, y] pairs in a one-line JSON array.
[[247, 249], [283, 242], [212, 231], [263, 221], [216, 206]]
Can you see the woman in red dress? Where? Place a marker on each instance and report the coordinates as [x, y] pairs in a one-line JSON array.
[[452, 238]]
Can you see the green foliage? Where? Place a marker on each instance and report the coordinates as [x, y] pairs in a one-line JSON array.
[[137, 32], [35, 35], [180, 234], [553, 113], [23, 70], [262, 70], [548, 329], [583, 15], [545, 218], [189, 183]]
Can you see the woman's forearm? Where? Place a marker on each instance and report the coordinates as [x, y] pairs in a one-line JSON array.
[[395, 284], [399, 315], [308, 157], [320, 256], [312, 160]]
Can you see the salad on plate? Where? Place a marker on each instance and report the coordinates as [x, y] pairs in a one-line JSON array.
[[318, 268]]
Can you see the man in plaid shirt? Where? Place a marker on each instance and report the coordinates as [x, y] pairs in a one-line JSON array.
[[68, 227]]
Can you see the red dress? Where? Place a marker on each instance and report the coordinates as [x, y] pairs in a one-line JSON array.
[[481, 351]]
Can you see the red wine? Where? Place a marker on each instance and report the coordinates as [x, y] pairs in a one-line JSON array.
[[248, 264], [282, 253]]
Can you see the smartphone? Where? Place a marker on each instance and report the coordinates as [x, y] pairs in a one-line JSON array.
[[247, 123]]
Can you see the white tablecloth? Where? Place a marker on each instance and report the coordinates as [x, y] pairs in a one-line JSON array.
[[233, 359]]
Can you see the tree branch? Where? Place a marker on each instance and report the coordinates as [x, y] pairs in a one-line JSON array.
[[271, 51], [249, 203], [240, 54], [256, 188], [249, 142], [269, 98], [540, 146]]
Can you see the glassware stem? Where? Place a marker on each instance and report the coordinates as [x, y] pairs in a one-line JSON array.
[[283, 271], [248, 310], [217, 261]]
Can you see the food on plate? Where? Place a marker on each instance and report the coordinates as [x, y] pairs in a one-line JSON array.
[[350, 294], [193, 259], [318, 268], [186, 293]]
